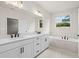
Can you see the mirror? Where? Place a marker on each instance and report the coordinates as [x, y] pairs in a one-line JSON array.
[[40, 23], [12, 26]]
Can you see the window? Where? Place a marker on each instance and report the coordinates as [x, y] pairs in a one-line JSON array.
[[63, 21]]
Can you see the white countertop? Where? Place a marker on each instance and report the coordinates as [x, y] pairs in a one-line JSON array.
[[24, 37]]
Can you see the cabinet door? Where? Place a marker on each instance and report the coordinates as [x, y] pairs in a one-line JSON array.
[[44, 43], [14, 53], [27, 51]]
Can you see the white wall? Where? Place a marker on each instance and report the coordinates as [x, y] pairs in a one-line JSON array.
[[72, 31], [30, 6], [46, 19], [26, 21]]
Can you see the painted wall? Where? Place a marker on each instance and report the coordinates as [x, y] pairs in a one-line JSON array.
[[72, 31], [26, 20]]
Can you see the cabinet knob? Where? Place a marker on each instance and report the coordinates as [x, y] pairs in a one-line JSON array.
[[21, 50], [78, 35], [37, 38], [37, 51], [37, 44], [46, 39]]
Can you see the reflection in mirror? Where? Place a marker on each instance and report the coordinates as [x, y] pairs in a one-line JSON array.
[[41, 24], [12, 26]]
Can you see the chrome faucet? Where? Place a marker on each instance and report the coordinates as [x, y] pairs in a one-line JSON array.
[[65, 37]]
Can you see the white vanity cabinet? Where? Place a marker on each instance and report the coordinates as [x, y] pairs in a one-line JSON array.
[[25, 48], [27, 51], [21, 49], [44, 42], [13, 53], [40, 44]]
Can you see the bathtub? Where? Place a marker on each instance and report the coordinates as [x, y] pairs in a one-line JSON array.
[[70, 44]]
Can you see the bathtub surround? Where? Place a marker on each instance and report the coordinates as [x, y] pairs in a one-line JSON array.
[[71, 31], [70, 44]]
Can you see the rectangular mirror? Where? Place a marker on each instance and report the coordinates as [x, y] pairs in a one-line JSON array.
[[12, 26], [40, 23]]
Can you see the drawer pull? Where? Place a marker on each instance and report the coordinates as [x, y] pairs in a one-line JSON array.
[[37, 39], [37, 51], [45, 39], [21, 50], [37, 44]]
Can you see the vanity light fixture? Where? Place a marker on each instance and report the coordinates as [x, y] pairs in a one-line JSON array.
[[38, 13], [18, 4]]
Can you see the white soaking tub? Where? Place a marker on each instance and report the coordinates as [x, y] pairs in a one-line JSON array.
[[70, 44]]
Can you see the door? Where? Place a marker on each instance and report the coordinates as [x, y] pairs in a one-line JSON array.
[[44, 43], [27, 51], [14, 53]]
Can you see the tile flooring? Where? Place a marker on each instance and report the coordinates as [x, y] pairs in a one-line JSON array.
[[57, 53]]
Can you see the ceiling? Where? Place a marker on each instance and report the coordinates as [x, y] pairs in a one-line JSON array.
[[56, 6]]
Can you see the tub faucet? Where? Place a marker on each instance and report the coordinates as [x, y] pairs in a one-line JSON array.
[[65, 37]]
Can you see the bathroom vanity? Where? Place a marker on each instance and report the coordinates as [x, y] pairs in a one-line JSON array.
[[27, 46]]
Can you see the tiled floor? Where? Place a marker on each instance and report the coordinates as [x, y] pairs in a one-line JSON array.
[[57, 53]]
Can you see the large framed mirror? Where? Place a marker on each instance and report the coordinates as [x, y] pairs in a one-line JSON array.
[[12, 26]]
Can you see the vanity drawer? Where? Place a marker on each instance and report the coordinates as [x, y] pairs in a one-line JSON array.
[[37, 49], [12, 45], [36, 43], [37, 52], [37, 40]]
